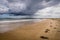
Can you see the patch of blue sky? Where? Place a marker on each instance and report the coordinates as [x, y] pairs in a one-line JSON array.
[[12, 16]]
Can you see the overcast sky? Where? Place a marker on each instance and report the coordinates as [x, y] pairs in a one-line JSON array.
[[37, 8]]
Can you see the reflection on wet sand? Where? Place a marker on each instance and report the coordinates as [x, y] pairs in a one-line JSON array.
[[43, 30], [8, 25]]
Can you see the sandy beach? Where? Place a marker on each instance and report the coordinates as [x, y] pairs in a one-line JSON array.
[[48, 29]]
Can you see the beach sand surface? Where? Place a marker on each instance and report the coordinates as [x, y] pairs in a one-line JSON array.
[[48, 29]]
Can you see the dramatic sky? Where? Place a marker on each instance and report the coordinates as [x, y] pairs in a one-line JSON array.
[[36, 8]]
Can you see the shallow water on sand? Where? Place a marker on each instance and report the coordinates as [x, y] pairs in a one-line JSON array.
[[6, 25]]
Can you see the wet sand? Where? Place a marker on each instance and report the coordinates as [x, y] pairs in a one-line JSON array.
[[45, 30]]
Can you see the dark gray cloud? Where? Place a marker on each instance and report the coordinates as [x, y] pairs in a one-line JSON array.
[[47, 0]]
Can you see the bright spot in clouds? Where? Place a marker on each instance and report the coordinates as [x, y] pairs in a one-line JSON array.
[[53, 12]]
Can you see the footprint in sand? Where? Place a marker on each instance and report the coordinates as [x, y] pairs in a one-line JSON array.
[[54, 27], [50, 25], [43, 37], [50, 22], [58, 31], [47, 30]]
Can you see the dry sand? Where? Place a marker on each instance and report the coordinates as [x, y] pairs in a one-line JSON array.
[[45, 30]]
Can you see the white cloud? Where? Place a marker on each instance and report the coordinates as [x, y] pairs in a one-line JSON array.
[[3, 9], [49, 12], [17, 7]]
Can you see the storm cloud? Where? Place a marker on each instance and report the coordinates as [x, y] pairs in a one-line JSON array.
[[30, 7]]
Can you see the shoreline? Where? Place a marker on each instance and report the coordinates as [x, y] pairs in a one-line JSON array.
[[21, 20]]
